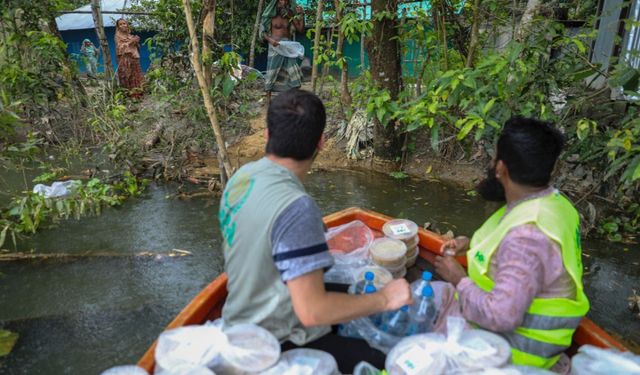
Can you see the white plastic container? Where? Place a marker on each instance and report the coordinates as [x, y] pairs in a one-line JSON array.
[[400, 229], [411, 260], [388, 252], [381, 276]]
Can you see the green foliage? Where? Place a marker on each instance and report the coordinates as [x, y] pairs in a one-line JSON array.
[[7, 341], [399, 175]]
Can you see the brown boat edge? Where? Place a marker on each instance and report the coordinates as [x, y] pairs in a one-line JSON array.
[[207, 305]]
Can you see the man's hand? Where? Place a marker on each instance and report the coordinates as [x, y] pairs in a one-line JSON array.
[[396, 294], [450, 269], [299, 9], [455, 247], [274, 42]]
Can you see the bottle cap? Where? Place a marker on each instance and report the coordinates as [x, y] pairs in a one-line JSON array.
[[369, 289], [368, 276], [427, 291], [405, 308], [426, 276]]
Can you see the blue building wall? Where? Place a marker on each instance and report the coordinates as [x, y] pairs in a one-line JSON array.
[[74, 38]]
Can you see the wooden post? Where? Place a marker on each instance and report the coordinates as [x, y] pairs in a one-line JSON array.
[[316, 47], [223, 158], [254, 36], [102, 37]]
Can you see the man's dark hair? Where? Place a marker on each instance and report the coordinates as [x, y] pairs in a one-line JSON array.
[[295, 121], [530, 149]]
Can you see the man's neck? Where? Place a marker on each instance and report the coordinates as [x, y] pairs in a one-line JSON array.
[[518, 192], [298, 168]]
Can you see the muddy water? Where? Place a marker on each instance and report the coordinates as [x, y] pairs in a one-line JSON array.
[[85, 316]]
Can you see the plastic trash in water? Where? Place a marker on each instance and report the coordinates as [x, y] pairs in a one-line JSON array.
[[418, 285], [396, 322], [58, 189], [423, 313]]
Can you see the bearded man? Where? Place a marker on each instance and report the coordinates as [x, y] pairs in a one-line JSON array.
[[284, 57], [524, 277]]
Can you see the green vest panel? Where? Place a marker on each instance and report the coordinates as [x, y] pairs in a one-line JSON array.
[[548, 325]]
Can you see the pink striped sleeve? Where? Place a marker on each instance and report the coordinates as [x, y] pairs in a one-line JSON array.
[[518, 275]]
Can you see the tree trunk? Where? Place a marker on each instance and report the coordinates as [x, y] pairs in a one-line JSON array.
[[223, 158], [383, 50], [345, 96], [316, 47], [254, 36], [53, 28], [527, 17], [473, 44], [325, 68], [102, 37], [208, 35]]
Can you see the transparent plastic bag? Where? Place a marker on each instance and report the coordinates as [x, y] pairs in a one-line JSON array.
[[591, 360], [304, 362], [350, 242], [197, 345], [125, 370], [417, 355], [250, 349], [366, 368]]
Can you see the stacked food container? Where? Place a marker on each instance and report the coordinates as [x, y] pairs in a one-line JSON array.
[[407, 232]]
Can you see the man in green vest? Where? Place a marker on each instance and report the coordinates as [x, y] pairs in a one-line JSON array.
[[524, 278], [275, 251]]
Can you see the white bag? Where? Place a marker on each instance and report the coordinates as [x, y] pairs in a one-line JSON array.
[[197, 345], [304, 362], [591, 360]]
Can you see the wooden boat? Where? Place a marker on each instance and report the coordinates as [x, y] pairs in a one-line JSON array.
[[207, 305]]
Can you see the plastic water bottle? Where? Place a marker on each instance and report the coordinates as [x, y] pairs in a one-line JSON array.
[[418, 285], [423, 313], [375, 318], [362, 284], [397, 322]]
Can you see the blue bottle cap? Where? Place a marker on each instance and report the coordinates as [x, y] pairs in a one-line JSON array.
[[369, 289], [368, 276], [427, 291], [426, 276], [405, 308]]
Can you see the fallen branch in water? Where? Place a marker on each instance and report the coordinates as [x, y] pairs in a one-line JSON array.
[[21, 256]]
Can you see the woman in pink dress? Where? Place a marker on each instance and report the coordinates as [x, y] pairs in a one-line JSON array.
[[128, 54]]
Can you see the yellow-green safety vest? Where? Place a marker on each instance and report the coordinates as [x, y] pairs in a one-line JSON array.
[[548, 325]]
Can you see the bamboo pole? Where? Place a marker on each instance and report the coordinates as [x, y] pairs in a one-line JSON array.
[[254, 36], [223, 158], [208, 34], [473, 44], [316, 47], [20, 256], [102, 37]]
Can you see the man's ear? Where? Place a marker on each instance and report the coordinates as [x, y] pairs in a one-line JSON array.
[[321, 142], [501, 169]]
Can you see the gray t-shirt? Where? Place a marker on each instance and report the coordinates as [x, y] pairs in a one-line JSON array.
[[297, 240]]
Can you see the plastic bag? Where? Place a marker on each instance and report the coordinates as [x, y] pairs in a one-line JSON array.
[[459, 352], [304, 362], [350, 242], [197, 345], [366, 368], [58, 189], [250, 348], [591, 360], [125, 370]]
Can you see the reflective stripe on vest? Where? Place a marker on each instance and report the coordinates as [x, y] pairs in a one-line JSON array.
[[548, 325]]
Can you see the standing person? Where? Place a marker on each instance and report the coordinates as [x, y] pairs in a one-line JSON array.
[[128, 54], [524, 263], [91, 53], [283, 59], [274, 246]]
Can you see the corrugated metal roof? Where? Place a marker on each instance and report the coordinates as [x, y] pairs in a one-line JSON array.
[[85, 21]]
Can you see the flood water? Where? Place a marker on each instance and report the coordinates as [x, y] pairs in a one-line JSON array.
[[84, 316]]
